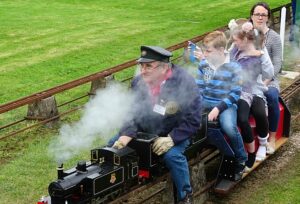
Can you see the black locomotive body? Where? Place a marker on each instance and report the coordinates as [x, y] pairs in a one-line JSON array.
[[109, 172]]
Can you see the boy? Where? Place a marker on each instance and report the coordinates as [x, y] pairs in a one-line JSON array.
[[219, 84]]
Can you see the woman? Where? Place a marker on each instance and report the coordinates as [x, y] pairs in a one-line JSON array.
[[260, 14]]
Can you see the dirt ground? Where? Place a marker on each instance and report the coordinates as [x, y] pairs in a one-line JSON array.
[[274, 165]]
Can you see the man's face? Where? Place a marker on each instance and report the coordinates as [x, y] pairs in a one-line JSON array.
[[260, 17], [152, 71], [212, 54]]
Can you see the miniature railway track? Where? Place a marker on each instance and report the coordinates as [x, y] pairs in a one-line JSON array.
[[291, 90], [205, 156]]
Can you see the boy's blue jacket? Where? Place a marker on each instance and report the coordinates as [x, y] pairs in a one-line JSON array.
[[219, 88]]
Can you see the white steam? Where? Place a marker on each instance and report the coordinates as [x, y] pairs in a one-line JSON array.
[[102, 115], [294, 53]]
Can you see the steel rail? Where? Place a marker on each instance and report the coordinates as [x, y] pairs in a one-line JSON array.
[[69, 85], [204, 156], [75, 99], [13, 123], [205, 188], [295, 117], [40, 123], [27, 117], [291, 90]]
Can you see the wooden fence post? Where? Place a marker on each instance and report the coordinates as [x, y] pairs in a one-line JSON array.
[[100, 83], [43, 109]]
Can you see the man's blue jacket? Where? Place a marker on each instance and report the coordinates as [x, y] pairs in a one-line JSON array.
[[180, 100]]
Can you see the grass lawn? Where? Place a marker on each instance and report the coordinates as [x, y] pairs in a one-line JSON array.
[[47, 43], [284, 189]]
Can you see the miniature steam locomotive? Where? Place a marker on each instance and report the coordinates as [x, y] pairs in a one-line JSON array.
[[108, 172]]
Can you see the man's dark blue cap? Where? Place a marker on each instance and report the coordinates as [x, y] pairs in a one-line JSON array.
[[154, 53]]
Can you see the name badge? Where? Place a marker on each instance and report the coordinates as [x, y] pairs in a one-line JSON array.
[[159, 109]]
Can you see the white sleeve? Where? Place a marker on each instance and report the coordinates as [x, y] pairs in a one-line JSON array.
[[267, 66]]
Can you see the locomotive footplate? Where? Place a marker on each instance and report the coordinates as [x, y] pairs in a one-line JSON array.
[[223, 186]]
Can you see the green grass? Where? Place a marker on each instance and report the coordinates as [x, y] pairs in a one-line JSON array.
[[47, 43], [283, 189], [26, 176]]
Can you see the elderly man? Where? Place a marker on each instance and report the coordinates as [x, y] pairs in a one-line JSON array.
[[168, 105]]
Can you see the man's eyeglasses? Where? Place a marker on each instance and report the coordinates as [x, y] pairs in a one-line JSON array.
[[263, 15], [147, 66]]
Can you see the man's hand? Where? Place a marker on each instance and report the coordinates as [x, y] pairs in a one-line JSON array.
[[122, 142], [213, 114], [162, 145]]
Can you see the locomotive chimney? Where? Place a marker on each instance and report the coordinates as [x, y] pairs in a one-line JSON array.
[[60, 171], [81, 166]]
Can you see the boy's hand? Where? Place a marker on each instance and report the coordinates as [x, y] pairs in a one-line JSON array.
[[198, 54], [213, 114]]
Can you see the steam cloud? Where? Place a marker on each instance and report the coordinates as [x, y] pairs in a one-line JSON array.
[[295, 44], [102, 115]]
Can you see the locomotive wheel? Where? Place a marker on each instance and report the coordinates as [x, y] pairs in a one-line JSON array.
[[114, 194]]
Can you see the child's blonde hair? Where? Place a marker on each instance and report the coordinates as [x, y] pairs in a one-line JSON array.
[[246, 30], [216, 38]]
